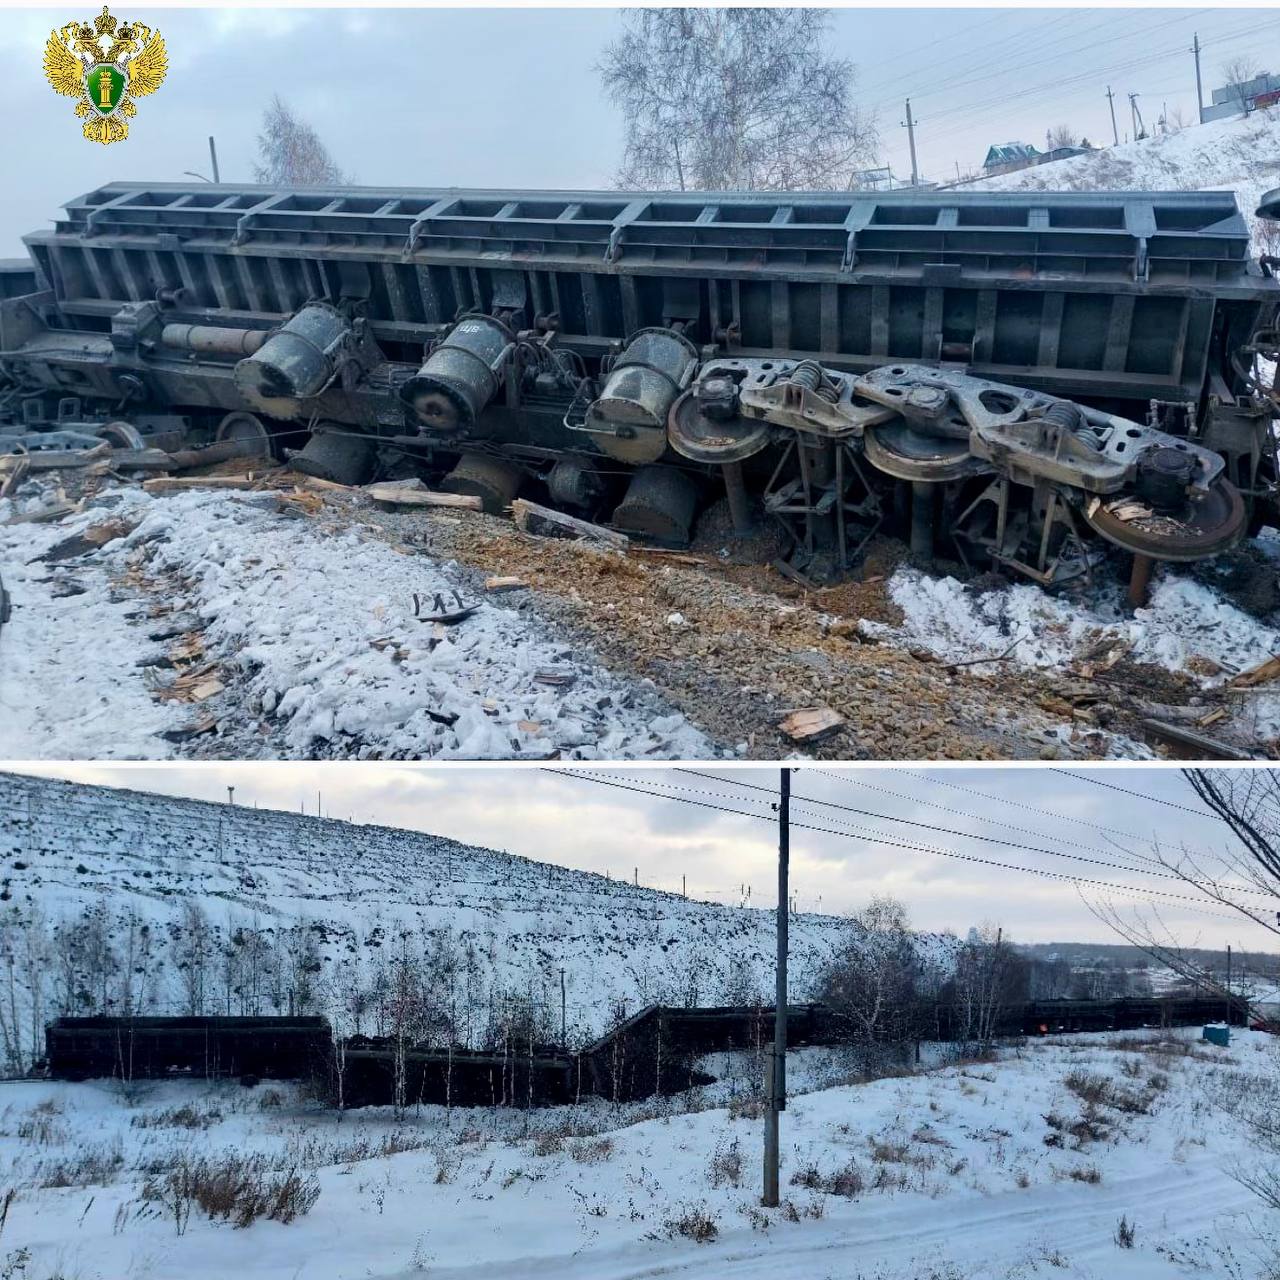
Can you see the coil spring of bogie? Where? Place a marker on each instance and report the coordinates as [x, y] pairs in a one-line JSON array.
[[811, 375]]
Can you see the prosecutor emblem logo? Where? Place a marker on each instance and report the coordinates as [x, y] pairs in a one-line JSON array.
[[105, 66]]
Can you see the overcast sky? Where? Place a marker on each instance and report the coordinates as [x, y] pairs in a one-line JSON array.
[[510, 97], [547, 816]]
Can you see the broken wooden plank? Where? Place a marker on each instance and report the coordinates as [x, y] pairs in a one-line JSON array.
[[674, 557], [543, 522], [141, 460], [46, 515], [299, 481], [1218, 713], [17, 474], [1263, 673], [398, 495], [554, 677], [812, 724], [1200, 745], [499, 583], [179, 484], [55, 459]]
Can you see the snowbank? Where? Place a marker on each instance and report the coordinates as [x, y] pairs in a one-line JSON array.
[[314, 627]]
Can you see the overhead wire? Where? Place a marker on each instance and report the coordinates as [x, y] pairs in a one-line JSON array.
[[1141, 892], [1162, 874]]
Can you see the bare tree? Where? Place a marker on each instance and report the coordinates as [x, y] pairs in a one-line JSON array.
[[1237, 72], [871, 987], [1062, 135], [989, 977], [1243, 877], [193, 955], [290, 152], [734, 99]]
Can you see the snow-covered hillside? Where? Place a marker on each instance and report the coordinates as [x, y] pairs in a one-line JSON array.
[[310, 911], [1241, 154]]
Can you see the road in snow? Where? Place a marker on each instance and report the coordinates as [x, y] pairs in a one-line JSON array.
[[312, 626]]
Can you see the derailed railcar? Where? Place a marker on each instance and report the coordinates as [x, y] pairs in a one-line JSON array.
[[1016, 379]]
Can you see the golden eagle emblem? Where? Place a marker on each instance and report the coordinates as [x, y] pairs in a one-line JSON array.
[[105, 65]]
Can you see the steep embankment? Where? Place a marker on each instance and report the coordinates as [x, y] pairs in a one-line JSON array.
[[301, 904]]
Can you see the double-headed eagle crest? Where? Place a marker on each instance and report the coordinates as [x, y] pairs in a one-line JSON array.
[[105, 66]]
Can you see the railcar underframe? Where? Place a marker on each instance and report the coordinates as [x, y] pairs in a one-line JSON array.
[[1016, 380]]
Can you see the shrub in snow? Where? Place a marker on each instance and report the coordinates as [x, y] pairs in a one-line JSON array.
[[695, 1223], [235, 1189], [726, 1165]]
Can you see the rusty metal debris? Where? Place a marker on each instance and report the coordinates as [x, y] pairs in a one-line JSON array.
[[445, 607]]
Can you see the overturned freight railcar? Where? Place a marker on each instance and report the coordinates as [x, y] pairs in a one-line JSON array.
[[1015, 379]]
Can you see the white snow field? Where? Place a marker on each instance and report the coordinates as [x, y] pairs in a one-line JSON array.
[[1019, 1168], [315, 625], [355, 891]]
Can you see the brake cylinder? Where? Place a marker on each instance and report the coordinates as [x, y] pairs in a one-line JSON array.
[[459, 377], [298, 361], [629, 418]]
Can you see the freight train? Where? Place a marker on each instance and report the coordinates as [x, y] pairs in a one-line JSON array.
[[1017, 381]]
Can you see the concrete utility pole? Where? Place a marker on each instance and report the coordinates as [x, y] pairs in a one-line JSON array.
[[564, 1021], [231, 795], [1195, 48], [910, 127], [1138, 127], [777, 1078], [1111, 102], [213, 158]]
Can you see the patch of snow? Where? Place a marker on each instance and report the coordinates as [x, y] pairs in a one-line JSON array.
[[319, 627], [1182, 621]]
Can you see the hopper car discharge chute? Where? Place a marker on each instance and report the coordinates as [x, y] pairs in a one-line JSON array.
[[1018, 381]]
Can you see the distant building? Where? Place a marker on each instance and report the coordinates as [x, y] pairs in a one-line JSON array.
[[1236, 99], [1007, 157]]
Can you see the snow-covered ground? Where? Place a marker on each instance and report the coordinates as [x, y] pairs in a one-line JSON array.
[[355, 892], [1025, 1167], [1240, 154], [1185, 627], [309, 627]]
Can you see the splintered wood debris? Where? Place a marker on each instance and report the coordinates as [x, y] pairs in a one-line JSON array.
[[408, 494], [543, 522], [1263, 673], [812, 724]]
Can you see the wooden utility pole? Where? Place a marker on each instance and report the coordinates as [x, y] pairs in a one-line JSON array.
[[1228, 985], [910, 127], [1195, 48], [777, 1076], [564, 1021], [1111, 102]]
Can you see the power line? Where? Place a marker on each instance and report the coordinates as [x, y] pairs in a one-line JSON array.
[[1111, 786], [969, 835], [963, 115], [885, 841]]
